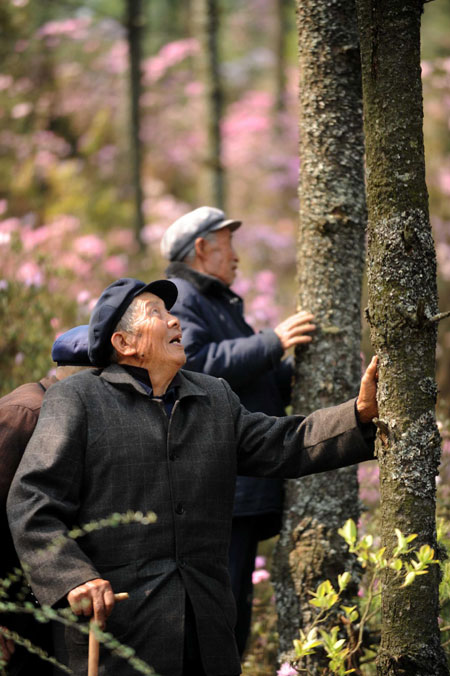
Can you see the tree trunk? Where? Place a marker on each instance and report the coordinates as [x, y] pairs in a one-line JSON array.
[[402, 302], [282, 27], [206, 20], [134, 22], [330, 266]]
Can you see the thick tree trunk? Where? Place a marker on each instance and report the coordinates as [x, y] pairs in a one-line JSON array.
[[206, 27], [402, 302], [330, 266], [134, 20]]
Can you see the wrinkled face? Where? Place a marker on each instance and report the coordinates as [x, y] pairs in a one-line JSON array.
[[157, 334], [221, 260]]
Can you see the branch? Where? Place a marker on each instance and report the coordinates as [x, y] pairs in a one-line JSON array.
[[441, 315]]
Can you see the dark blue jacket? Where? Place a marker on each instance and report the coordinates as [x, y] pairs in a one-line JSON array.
[[219, 342]]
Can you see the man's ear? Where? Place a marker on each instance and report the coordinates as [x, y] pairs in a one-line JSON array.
[[123, 344], [200, 245]]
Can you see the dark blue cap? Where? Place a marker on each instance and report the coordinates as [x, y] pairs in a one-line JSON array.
[[71, 347], [112, 305]]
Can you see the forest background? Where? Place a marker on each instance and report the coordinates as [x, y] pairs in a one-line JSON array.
[[67, 224]]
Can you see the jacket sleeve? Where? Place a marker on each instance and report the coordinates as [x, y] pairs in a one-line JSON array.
[[44, 498], [238, 360], [295, 446], [16, 427]]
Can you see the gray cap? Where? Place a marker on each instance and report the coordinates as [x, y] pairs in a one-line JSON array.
[[179, 237]]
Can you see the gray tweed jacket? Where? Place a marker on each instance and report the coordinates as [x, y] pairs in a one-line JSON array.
[[102, 445]]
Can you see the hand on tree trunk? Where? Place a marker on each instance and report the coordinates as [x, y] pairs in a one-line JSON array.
[[366, 404]]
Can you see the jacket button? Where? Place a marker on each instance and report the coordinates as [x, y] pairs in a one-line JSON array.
[[181, 563], [179, 509]]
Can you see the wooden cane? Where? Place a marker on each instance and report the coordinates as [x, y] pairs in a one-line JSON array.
[[94, 646]]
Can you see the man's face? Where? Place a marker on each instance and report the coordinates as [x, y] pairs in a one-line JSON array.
[[221, 260], [157, 334]]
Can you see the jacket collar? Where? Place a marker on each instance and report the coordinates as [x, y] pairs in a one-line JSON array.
[[116, 375], [204, 283]]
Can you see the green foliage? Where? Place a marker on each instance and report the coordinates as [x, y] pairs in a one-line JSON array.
[[342, 642], [26, 314], [19, 604]]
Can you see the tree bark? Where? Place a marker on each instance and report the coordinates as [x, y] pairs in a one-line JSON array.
[[330, 265], [134, 22], [206, 19], [402, 299]]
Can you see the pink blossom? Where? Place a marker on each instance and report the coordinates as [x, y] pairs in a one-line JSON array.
[[3, 284], [169, 55], [116, 266], [444, 180], [83, 296], [5, 81], [116, 62], [260, 561], [90, 246], [21, 110], [55, 322], [153, 233], [30, 274], [194, 88], [426, 68], [75, 28], [20, 3], [265, 281], [260, 575], [18, 359], [242, 285], [122, 238], [287, 670]]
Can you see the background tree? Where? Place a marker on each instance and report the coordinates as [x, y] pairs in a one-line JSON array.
[[134, 25], [402, 314], [206, 15], [329, 264]]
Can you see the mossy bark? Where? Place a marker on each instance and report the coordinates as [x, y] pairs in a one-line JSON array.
[[402, 300], [330, 266], [206, 15]]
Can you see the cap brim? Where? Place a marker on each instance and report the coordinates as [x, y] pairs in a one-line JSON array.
[[164, 289], [230, 223]]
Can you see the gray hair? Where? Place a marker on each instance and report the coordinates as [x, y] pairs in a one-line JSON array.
[[191, 254], [126, 324]]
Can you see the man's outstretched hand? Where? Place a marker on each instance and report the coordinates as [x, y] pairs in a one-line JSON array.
[[366, 404]]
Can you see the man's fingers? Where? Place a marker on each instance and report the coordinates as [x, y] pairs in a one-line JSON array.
[[95, 597]]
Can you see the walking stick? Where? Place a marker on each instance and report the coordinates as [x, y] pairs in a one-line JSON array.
[[94, 646]]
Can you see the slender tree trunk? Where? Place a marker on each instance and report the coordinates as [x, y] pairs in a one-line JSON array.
[[330, 266], [134, 23], [402, 301], [206, 19], [281, 27]]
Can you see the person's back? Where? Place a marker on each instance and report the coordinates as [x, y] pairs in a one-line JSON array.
[[19, 413]]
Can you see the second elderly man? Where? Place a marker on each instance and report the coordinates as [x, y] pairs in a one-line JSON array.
[[218, 341]]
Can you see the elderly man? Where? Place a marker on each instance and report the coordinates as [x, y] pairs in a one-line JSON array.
[[142, 434], [19, 411], [218, 341]]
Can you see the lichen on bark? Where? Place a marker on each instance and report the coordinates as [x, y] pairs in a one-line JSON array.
[[402, 301]]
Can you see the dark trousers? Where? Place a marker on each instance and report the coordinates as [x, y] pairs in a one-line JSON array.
[[243, 547], [192, 663]]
